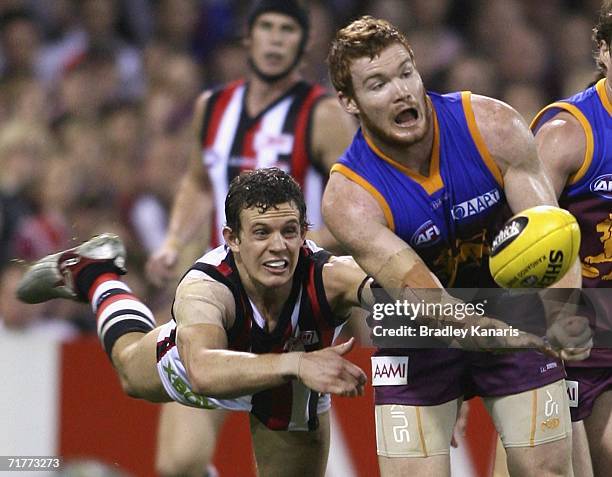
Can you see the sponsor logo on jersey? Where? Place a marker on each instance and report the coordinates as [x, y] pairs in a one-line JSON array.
[[602, 186], [476, 205], [389, 370], [426, 235], [572, 392], [281, 144], [508, 233]]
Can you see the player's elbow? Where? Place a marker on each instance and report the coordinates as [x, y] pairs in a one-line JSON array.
[[202, 384]]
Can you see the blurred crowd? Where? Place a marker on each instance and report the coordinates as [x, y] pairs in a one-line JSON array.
[[96, 99]]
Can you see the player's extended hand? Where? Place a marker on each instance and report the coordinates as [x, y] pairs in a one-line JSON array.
[[160, 266], [570, 338], [326, 371]]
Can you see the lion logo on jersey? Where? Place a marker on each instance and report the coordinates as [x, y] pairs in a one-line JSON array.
[[468, 253], [588, 270]]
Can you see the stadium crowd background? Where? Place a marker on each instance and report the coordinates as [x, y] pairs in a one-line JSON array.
[[96, 99]]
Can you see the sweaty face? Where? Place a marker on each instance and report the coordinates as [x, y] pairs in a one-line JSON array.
[[274, 42], [268, 246], [389, 97]]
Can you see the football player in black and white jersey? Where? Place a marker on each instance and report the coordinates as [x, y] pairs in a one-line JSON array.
[[270, 118], [253, 325]]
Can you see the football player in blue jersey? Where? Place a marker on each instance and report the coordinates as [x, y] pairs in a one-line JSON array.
[[573, 139], [416, 199]]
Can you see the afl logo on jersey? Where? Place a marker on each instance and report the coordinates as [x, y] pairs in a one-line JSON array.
[[426, 235], [602, 186]]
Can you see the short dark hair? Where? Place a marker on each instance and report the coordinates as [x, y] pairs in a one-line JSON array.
[[291, 8], [603, 31], [262, 188]]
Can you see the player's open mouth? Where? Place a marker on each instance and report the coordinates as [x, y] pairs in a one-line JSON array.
[[407, 117], [276, 265], [273, 57]]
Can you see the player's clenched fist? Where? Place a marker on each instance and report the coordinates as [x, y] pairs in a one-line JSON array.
[[571, 337], [326, 371]]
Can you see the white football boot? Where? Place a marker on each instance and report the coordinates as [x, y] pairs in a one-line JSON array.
[[54, 276]]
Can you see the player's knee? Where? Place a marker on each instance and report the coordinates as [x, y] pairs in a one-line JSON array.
[[126, 371], [128, 387], [124, 378], [601, 455], [551, 459], [559, 461]]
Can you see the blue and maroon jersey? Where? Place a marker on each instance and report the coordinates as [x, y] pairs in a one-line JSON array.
[[306, 323], [279, 136], [588, 193], [449, 216]]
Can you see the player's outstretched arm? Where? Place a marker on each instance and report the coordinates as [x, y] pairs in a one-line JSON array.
[[528, 182], [191, 209], [512, 151], [561, 146], [525, 178], [204, 310], [358, 222]]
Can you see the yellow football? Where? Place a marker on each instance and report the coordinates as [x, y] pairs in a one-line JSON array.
[[535, 248]]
